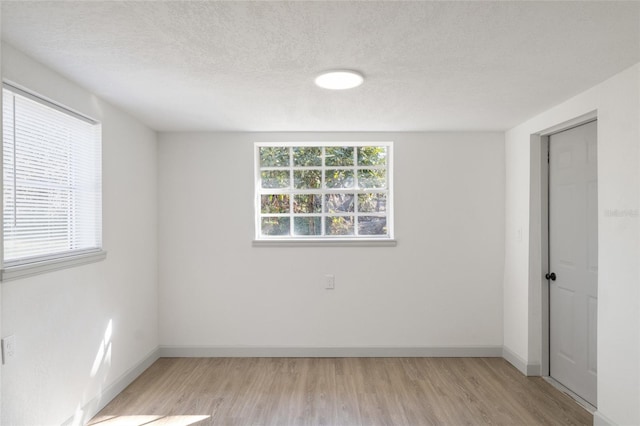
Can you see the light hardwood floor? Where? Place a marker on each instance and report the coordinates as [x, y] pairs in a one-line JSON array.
[[339, 391]]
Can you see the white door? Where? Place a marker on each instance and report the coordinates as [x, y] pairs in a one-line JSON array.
[[573, 258]]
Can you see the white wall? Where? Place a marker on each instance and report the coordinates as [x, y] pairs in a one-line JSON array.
[[617, 102], [0, 210], [60, 318], [440, 287]]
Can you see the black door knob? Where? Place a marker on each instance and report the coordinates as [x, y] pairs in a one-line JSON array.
[[551, 276]]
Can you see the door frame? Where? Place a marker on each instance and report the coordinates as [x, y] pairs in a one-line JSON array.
[[539, 246], [540, 143]]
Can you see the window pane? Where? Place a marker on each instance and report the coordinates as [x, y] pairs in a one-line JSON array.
[[307, 156], [275, 203], [339, 203], [307, 203], [372, 156], [372, 178], [375, 202], [339, 225], [339, 179], [372, 225], [307, 225], [307, 179], [274, 156], [275, 226], [339, 156], [275, 179]]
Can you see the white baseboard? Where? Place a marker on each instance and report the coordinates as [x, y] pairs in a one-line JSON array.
[[520, 364], [600, 419], [328, 352], [534, 370], [96, 404]]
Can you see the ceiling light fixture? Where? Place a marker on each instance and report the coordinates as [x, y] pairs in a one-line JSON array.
[[339, 79]]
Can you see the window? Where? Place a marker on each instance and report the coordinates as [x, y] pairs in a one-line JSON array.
[[323, 191], [52, 195]]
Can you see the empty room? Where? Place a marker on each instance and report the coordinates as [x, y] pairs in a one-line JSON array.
[[320, 213]]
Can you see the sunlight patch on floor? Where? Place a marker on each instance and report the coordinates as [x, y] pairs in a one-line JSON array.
[[146, 420]]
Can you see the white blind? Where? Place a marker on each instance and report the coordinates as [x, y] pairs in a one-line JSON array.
[[52, 180]]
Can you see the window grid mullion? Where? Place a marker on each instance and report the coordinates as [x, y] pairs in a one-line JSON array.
[[323, 205], [356, 183], [276, 168], [291, 196], [269, 191]]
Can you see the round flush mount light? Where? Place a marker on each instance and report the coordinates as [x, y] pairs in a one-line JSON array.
[[339, 79]]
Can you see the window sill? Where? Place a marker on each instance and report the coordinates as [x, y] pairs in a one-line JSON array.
[[325, 243], [36, 268]]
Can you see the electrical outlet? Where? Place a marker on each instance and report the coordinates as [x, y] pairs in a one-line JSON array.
[[329, 281], [8, 348]]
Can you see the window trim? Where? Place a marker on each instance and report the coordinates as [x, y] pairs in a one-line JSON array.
[[25, 267], [63, 262], [333, 241], [329, 242]]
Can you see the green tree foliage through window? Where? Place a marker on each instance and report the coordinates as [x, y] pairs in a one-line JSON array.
[[323, 190]]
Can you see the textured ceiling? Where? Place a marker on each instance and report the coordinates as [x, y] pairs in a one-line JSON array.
[[249, 66]]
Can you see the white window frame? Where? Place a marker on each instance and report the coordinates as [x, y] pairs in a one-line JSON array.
[[26, 267], [323, 240]]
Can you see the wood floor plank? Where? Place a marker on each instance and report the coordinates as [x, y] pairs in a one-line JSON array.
[[339, 391]]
